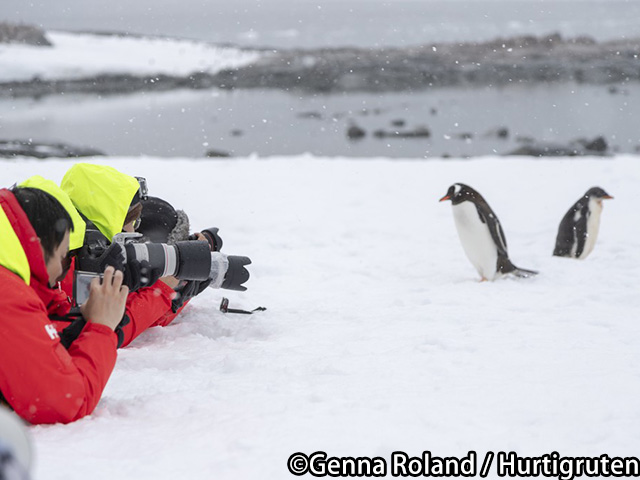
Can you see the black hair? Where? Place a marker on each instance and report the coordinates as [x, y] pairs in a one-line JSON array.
[[47, 216]]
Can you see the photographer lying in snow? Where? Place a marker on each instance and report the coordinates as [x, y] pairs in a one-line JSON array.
[[39, 378], [112, 202]]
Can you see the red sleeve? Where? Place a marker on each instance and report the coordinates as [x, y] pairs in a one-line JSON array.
[[39, 378], [146, 308], [168, 317]]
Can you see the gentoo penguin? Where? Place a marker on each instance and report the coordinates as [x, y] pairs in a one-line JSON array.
[[578, 230], [481, 234]]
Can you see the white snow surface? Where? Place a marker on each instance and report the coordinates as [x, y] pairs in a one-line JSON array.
[[378, 335], [76, 55]]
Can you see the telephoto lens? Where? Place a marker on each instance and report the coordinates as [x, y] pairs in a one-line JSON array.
[[228, 271], [212, 236], [192, 260]]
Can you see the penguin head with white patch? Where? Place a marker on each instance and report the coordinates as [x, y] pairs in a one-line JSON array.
[[459, 192], [598, 194]]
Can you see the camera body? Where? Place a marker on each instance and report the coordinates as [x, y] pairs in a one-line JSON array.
[[82, 285]]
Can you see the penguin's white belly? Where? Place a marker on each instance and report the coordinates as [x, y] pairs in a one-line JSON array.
[[593, 227], [476, 239]]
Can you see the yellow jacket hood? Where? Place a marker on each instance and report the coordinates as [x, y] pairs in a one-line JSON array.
[[12, 255], [76, 238], [102, 194]]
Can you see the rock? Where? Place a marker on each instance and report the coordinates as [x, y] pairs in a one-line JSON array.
[[464, 135], [548, 150], [499, 132], [598, 144], [576, 148], [418, 132], [310, 115], [23, 34], [29, 148], [398, 123], [236, 132], [217, 154], [354, 132]]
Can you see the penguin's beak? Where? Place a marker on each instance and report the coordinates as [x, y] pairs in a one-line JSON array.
[[446, 197], [608, 197]]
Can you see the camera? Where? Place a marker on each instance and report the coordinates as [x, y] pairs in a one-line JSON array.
[[82, 285], [185, 260]]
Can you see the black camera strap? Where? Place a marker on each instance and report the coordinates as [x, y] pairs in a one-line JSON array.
[[224, 308]]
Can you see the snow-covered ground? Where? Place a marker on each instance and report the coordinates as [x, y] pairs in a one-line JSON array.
[[76, 55], [378, 335]]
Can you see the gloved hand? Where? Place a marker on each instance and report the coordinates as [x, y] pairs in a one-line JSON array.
[[185, 293], [140, 273], [96, 258]]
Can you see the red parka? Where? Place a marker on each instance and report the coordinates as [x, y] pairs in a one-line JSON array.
[[147, 307], [104, 195], [40, 379]]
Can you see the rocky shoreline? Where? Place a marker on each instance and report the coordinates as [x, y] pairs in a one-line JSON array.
[[521, 60], [528, 61]]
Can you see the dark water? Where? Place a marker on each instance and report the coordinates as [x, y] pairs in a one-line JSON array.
[[314, 23], [188, 123], [462, 122]]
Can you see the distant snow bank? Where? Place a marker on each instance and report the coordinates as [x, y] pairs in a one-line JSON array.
[[75, 55]]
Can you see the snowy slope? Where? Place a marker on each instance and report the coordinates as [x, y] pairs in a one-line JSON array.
[[84, 55], [378, 335]]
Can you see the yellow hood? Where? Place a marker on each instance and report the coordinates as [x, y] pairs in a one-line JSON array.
[[102, 194], [12, 255], [76, 238]]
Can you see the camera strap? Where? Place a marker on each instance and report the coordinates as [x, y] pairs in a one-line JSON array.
[[224, 308]]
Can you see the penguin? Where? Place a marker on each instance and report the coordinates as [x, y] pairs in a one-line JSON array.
[[578, 230], [481, 234]]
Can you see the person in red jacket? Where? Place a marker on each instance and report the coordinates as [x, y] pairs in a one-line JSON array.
[[111, 201], [39, 378]]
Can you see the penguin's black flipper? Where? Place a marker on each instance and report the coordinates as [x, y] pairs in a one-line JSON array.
[[580, 232], [495, 229], [572, 231]]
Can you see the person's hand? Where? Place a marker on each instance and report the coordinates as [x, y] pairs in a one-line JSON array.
[[170, 281], [107, 300], [140, 273], [89, 261]]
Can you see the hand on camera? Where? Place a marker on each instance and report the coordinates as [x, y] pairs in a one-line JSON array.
[[89, 261], [211, 236], [140, 273], [107, 299]]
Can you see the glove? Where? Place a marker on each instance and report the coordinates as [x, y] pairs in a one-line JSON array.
[[139, 274], [118, 330], [191, 289], [92, 258]]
